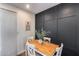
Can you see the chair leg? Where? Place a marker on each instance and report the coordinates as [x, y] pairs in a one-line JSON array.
[[26, 53]]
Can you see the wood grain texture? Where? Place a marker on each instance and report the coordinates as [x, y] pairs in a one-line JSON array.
[[46, 48]]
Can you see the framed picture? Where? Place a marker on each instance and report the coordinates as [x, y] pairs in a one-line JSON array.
[[28, 26]]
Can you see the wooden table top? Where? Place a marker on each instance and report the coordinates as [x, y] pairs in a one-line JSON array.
[[46, 48]]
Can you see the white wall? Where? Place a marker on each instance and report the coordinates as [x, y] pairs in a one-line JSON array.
[[22, 17]]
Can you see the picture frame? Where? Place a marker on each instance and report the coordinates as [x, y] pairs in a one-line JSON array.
[[28, 26]]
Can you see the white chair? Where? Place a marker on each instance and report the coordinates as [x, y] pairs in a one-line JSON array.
[[59, 50], [31, 50], [47, 39], [26, 50], [26, 47]]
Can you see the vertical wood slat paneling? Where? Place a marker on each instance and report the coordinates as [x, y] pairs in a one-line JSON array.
[[63, 20]]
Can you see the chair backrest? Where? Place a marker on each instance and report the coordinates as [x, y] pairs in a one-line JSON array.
[[59, 50], [47, 39], [31, 50], [26, 50]]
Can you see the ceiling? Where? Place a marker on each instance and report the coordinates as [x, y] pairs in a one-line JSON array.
[[34, 7]]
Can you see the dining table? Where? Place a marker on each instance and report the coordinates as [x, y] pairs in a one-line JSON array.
[[44, 48]]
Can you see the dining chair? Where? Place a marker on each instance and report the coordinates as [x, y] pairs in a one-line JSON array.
[[47, 39], [26, 50], [59, 50], [27, 41], [31, 50], [26, 47]]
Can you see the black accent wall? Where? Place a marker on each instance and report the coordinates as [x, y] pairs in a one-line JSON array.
[[62, 21]]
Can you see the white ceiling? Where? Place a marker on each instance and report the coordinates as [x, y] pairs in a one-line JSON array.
[[34, 7]]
